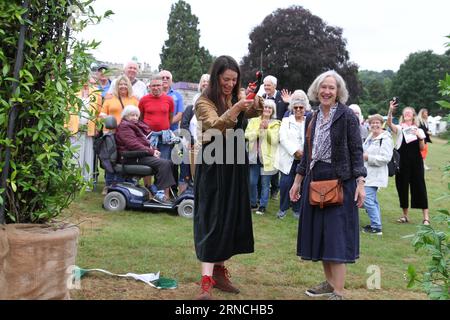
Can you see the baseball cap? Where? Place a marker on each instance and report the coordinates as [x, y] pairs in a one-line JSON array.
[[102, 66]]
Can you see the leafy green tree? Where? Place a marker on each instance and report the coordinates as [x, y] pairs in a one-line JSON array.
[[416, 80], [376, 91], [42, 67], [181, 53], [296, 46]]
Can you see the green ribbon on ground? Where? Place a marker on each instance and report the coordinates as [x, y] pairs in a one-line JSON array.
[[152, 279]]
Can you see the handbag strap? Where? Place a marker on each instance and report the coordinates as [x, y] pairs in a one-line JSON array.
[[308, 137], [120, 99]]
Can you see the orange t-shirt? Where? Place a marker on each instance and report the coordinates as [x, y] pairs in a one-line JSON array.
[[112, 107]]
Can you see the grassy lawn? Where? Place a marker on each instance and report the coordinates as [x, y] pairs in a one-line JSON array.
[[147, 242]]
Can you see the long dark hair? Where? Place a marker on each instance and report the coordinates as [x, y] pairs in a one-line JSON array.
[[214, 92]]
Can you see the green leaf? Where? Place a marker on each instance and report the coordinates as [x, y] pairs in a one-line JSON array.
[[5, 70], [13, 186], [59, 87], [108, 13], [412, 276], [443, 104]]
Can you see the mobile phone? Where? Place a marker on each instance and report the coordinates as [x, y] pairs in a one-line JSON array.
[[396, 101]]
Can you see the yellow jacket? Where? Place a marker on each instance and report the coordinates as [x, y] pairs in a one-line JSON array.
[[268, 138], [95, 107]]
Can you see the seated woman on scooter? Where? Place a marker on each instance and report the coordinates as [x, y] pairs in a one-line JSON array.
[[132, 135]]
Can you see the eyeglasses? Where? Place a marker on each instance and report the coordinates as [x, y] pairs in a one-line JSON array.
[[298, 108]]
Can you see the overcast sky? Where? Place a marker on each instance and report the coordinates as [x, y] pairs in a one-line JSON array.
[[380, 34]]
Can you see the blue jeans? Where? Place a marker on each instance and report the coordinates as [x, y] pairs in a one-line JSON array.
[[255, 175], [372, 207], [286, 182]]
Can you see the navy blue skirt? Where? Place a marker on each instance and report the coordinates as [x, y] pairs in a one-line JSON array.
[[330, 234]]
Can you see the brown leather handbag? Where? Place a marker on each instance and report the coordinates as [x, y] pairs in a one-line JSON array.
[[326, 192]]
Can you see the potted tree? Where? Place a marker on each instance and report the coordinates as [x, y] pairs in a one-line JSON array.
[[42, 68]]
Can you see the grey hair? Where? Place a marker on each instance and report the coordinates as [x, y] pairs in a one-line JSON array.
[[271, 103], [271, 79], [342, 92], [130, 109], [156, 76], [355, 108], [168, 72], [126, 64], [299, 97]]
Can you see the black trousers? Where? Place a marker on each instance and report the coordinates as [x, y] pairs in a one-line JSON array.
[[411, 176]]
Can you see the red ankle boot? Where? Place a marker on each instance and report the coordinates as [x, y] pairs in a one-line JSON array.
[[206, 286], [222, 278]]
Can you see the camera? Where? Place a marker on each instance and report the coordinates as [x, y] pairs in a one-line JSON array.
[[396, 101]]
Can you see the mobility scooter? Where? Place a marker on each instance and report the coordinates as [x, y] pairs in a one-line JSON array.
[[128, 195]]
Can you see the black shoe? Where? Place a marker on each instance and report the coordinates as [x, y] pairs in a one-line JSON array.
[[371, 230], [254, 208]]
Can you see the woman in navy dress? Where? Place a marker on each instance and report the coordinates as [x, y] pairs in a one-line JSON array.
[[331, 234]]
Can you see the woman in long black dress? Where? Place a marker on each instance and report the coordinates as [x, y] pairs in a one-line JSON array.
[[222, 216], [331, 234]]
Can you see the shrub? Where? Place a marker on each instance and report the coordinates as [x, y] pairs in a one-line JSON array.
[[42, 68]]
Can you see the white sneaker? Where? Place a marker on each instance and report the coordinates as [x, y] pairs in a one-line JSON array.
[[261, 210]]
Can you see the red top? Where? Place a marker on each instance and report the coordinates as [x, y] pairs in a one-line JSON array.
[[155, 111]]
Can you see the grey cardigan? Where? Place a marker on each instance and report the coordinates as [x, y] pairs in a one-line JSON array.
[[346, 145]]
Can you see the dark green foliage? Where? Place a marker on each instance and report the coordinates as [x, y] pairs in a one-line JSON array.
[[416, 80], [43, 176], [376, 91], [181, 53], [296, 46]]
